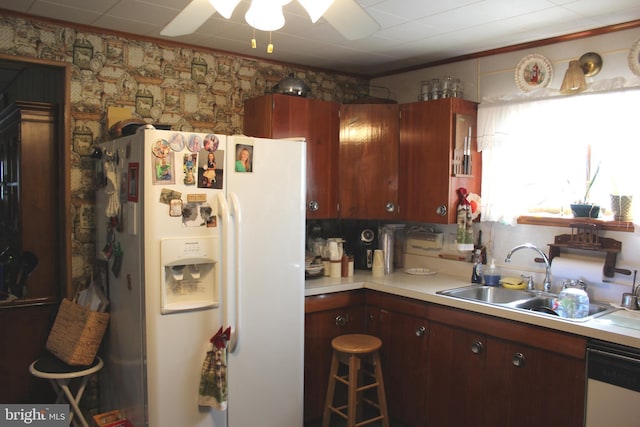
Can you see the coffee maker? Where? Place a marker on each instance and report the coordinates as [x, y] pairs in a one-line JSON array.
[[364, 244]]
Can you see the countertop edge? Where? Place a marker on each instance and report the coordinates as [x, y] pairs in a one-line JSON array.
[[424, 288]]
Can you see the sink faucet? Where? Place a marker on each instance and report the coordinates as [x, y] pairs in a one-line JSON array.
[[547, 278]]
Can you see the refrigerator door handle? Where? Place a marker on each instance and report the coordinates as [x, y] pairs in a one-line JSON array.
[[225, 288], [234, 288]]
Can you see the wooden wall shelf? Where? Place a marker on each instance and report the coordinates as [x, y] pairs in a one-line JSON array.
[[623, 226]]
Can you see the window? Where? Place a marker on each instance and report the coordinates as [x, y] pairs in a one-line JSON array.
[[539, 155]]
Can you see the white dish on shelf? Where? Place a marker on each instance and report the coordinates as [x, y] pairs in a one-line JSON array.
[[314, 269], [417, 271]]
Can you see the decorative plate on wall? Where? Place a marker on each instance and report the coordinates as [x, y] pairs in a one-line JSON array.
[[634, 58], [533, 71]]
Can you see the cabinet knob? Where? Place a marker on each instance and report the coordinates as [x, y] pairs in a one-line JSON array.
[[342, 319], [390, 207], [518, 360], [441, 210], [314, 206], [421, 331], [477, 347]]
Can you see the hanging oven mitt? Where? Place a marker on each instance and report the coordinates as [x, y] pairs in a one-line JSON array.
[[113, 190], [213, 378]]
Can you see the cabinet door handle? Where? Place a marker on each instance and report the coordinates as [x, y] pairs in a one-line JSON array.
[[441, 210], [314, 206], [518, 360], [342, 319], [421, 331], [390, 207], [477, 347]]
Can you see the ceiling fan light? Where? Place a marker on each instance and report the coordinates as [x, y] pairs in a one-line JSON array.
[[224, 7], [265, 16], [315, 8]]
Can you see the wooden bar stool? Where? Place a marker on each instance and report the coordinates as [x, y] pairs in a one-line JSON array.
[[352, 350]]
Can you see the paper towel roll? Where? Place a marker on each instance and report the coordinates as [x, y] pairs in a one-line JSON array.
[[577, 269]]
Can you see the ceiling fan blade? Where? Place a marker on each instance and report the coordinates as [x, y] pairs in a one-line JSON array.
[[350, 20], [190, 19]]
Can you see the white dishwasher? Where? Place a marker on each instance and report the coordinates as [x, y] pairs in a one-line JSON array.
[[613, 385]]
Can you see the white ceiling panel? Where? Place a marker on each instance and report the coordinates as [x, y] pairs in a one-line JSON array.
[[411, 31]]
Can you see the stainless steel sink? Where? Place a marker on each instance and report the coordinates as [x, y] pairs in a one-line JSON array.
[[541, 303], [548, 305], [488, 294]]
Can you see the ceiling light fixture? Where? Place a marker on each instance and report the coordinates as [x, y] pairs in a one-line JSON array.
[[267, 15], [272, 10]]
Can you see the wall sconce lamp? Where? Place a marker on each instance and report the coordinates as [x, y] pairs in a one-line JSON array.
[[574, 80]]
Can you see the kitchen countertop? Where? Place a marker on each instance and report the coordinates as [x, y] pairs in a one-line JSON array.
[[424, 288]]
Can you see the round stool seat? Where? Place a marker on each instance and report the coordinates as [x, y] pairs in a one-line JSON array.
[[60, 375], [356, 343]]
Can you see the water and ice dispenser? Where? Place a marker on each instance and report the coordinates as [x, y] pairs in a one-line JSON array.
[[189, 279]]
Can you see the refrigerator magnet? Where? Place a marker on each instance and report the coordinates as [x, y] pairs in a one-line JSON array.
[[175, 207], [211, 143], [167, 195], [160, 148], [244, 158], [189, 161], [163, 172], [195, 143], [177, 142]]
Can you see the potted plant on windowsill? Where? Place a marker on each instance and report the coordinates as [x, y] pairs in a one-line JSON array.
[[584, 208]]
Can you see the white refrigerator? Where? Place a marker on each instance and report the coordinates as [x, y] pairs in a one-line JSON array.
[[197, 232]]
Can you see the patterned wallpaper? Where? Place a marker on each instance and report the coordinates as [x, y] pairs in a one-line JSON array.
[[190, 89]]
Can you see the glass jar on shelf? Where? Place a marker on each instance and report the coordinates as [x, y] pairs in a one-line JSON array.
[[425, 90]]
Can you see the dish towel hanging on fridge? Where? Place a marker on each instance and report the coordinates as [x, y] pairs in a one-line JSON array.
[[213, 378]]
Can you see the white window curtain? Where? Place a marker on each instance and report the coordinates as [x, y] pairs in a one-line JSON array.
[[538, 155]]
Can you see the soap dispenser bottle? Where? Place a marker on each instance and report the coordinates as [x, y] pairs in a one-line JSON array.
[[492, 275]]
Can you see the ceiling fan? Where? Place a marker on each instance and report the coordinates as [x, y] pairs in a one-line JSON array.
[[346, 16]]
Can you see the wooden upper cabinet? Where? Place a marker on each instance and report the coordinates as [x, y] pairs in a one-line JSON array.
[[286, 116], [432, 143], [369, 161]]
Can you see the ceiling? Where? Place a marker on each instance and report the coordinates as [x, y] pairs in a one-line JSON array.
[[411, 33]]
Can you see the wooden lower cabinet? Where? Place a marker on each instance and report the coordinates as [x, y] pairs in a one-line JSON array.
[[456, 387], [326, 317], [485, 371], [402, 326], [446, 367]]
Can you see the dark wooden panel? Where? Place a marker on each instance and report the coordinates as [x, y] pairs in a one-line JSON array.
[[23, 335]]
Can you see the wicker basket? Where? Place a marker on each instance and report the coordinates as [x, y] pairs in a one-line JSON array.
[[76, 333]]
